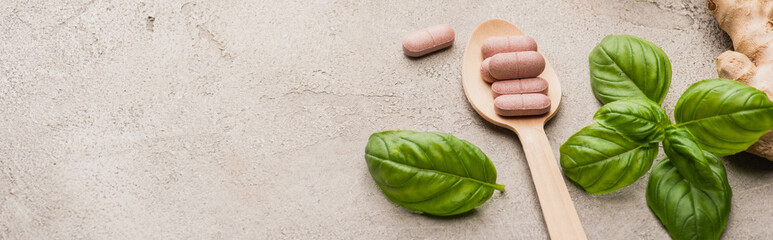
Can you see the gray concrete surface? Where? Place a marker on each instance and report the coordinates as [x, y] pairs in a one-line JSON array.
[[248, 119]]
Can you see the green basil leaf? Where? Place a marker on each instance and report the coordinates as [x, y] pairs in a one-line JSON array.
[[435, 173], [687, 211], [601, 160], [639, 119], [689, 159], [624, 66], [725, 116]]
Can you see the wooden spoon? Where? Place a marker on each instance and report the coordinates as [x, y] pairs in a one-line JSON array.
[[557, 207]]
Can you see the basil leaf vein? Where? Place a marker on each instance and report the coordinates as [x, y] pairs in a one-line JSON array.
[[638, 119], [602, 161], [689, 159], [435, 173], [687, 211], [725, 116], [624, 66]]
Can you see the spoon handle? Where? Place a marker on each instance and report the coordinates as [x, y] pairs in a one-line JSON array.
[[557, 207]]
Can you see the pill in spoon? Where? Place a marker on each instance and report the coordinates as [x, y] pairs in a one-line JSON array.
[[522, 104], [513, 65], [518, 86], [484, 71], [503, 44]]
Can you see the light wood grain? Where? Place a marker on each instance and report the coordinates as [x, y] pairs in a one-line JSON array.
[[557, 207]]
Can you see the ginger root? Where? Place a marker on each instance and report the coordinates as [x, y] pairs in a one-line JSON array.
[[749, 23]]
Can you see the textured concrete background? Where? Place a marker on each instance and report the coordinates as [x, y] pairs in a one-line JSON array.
[[248, 119]]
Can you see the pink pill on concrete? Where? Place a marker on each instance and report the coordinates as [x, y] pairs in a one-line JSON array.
[[428, 40], [514, 65], [484, 71], [518, 86], [522, 104], [503, 44]]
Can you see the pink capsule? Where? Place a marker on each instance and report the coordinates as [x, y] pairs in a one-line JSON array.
[[484, 71], [517, 86], [502, 44], [514, 65], [522, 104], [428, 40]]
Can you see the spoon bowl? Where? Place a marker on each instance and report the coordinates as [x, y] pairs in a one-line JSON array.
[[557, 208], [479, 92]]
